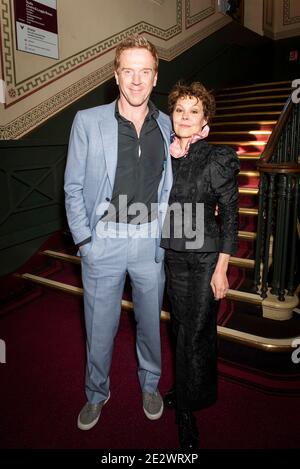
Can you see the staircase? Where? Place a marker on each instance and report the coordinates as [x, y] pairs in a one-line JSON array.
[[245, 118]]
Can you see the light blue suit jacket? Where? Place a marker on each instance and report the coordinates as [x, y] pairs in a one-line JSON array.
[[91, 168]]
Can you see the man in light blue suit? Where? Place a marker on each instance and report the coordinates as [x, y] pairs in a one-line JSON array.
[[117, 183]]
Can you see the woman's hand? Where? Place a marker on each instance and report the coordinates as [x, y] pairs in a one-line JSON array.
[[219, 282]]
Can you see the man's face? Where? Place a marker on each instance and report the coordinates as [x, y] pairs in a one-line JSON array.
[[136, 76]]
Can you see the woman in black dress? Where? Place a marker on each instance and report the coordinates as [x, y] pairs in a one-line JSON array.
[[205, 177]]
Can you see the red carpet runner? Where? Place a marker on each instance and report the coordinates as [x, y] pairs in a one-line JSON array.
[[42, 391]]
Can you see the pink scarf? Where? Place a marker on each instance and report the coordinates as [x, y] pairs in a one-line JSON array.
[[175, 148]]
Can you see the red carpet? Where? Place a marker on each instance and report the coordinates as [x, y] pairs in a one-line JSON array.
[[42, 391]]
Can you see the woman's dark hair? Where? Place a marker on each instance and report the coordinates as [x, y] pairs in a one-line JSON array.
[[194, 90]]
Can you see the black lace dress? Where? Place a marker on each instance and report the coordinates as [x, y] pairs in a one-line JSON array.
[[207, 175]]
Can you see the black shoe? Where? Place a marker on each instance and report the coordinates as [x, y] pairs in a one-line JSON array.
[[170, 399], [187, 430]]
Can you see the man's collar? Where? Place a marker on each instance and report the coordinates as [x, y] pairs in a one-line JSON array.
[[153, 111]]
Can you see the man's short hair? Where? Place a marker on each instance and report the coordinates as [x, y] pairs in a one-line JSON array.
[[135, 41]]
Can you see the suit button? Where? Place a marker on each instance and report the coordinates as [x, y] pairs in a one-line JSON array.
[[105, 213], [107, 199]]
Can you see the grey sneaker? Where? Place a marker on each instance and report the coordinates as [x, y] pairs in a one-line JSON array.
[[153, 405], [89, 414]]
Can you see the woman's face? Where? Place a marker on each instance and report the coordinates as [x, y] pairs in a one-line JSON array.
[[188, 117]]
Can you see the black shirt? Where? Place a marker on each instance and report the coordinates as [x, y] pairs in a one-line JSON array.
[[139, 168], [207, 176]]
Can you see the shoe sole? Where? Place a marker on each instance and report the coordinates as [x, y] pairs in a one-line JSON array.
[[154, 416], [88, 426]]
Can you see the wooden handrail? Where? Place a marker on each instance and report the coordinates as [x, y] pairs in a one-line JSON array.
[[276, 134], [280, 168]]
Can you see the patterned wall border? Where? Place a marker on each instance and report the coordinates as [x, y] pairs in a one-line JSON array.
[[187, 43], [19, 90], [286, 14], [35, 116], [31, 119], [197, 17]]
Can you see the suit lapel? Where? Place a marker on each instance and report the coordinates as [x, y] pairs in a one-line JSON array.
[[168, 177], [108, 126]]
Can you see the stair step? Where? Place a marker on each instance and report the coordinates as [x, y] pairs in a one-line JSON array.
[[246, 235], [245, 338], [241, 132], [242, 114], [259, 85], [256, 98], [62, 256], [249, 173], [224, 108], [256, 143], [47, 282], [76, 260], [266, 344], [239, 262], [248, 190], [257, 122], [269, 90], [249, 156], [247, 297], [67, 288], [248, 211]]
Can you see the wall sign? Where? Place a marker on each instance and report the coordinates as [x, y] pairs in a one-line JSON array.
[[36, 27]]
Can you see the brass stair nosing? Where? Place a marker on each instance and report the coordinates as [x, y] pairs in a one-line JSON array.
[[47, 282], [268, 344], [243, 296], [61, 256], [248, 190], [76, 260], [249, 173], [250, 105], [269, 90], [241, 132], [241, 114], [239, 262], [251, 340], [246, 235], [248, 211], [244, 123], [249, 156], [256, 143], [255, 85], [222, 101]]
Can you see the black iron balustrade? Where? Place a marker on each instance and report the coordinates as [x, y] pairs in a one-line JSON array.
[[278, 211]]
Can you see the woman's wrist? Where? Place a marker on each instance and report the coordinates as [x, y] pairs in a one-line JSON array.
[[222, 264]]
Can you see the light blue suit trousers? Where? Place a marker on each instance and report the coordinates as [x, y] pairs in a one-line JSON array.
[[104, 269]]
